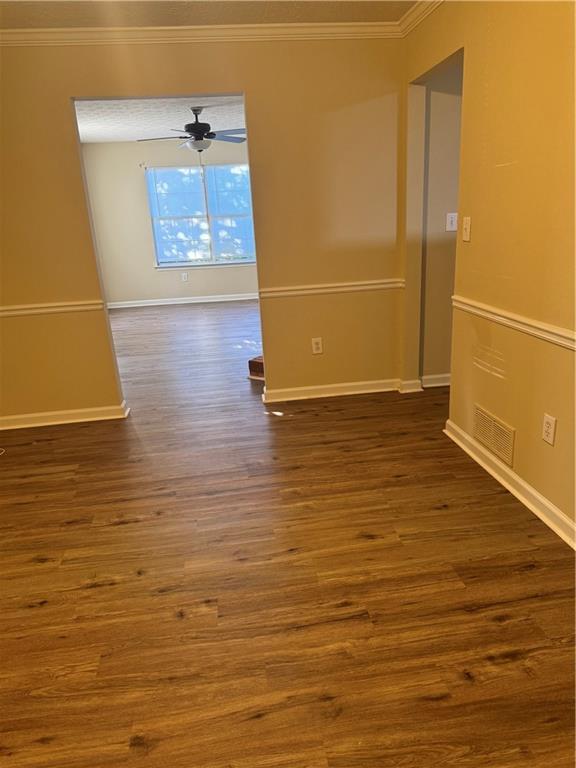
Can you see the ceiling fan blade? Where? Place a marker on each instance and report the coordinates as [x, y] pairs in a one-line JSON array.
[[232, 139], [231, 131], [163, 138]]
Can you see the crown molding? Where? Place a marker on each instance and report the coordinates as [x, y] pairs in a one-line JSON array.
[[417, 14], [203, 34], [219, 33]]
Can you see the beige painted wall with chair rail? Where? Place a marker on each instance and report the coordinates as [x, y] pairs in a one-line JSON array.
[[326, 235], [342, 205], [123, 231], [517, 185]]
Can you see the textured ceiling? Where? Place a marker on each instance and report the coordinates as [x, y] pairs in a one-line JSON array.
[[132, 119], [22, 14]]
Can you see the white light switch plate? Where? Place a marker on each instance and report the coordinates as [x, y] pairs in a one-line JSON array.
[[451, 222], [549, 429], [466, 229]]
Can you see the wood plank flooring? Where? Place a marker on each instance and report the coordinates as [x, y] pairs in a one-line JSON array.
[[322, 584]]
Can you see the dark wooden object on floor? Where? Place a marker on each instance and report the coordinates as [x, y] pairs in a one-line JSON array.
[[256, 368], [210, 584]]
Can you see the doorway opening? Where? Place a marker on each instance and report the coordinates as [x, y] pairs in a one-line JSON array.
[[169, 196], [435, 105]]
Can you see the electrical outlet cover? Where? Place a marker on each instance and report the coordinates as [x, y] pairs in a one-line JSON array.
[[317, 346]]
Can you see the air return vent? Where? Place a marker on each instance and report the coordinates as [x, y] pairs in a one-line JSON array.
[[494, 434]]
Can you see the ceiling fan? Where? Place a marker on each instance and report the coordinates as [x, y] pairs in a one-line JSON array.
[[199, 135]]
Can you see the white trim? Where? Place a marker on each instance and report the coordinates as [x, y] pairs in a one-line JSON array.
[[183, 300], [328, 390], [320, 288], [221, 32], [185, 266], [563, 337], [224, 33], [554, 518], [409, 385], [15, 310], [436, 380], [47, 418], [417, 14]]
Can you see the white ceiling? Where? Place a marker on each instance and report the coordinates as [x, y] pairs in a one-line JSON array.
[[132, 119]]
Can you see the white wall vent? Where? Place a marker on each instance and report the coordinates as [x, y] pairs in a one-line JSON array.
[[497, 436]]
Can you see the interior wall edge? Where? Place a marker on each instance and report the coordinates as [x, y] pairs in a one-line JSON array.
[[550, 514]]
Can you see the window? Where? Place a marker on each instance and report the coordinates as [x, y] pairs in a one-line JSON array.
[[202, 215]]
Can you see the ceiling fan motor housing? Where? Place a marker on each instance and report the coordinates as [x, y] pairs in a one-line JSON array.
[[198, 130]]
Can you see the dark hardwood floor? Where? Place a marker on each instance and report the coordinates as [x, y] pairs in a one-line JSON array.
[[324, 584]]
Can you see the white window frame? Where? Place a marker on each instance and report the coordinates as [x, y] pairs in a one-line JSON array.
[[184, 265]]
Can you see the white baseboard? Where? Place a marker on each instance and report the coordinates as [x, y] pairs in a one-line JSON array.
[[409, 385], [529, 496], [436, 380], [47, 418], [346, 388], [329, 390], [182, 300]]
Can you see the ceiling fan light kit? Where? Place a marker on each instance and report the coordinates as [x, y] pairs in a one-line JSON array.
[[198, 145], [199, 136]]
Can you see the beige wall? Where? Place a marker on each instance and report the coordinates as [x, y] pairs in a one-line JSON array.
[[328, 234], [517, 172], [535, 377], [348, 347], [517, 184], [122, 227], [441, 193]]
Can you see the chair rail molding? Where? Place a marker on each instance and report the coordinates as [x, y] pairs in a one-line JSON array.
[[55, 307], [342, 287], [563, 337]]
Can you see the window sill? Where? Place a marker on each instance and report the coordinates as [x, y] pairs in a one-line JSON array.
[[184, 267]]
